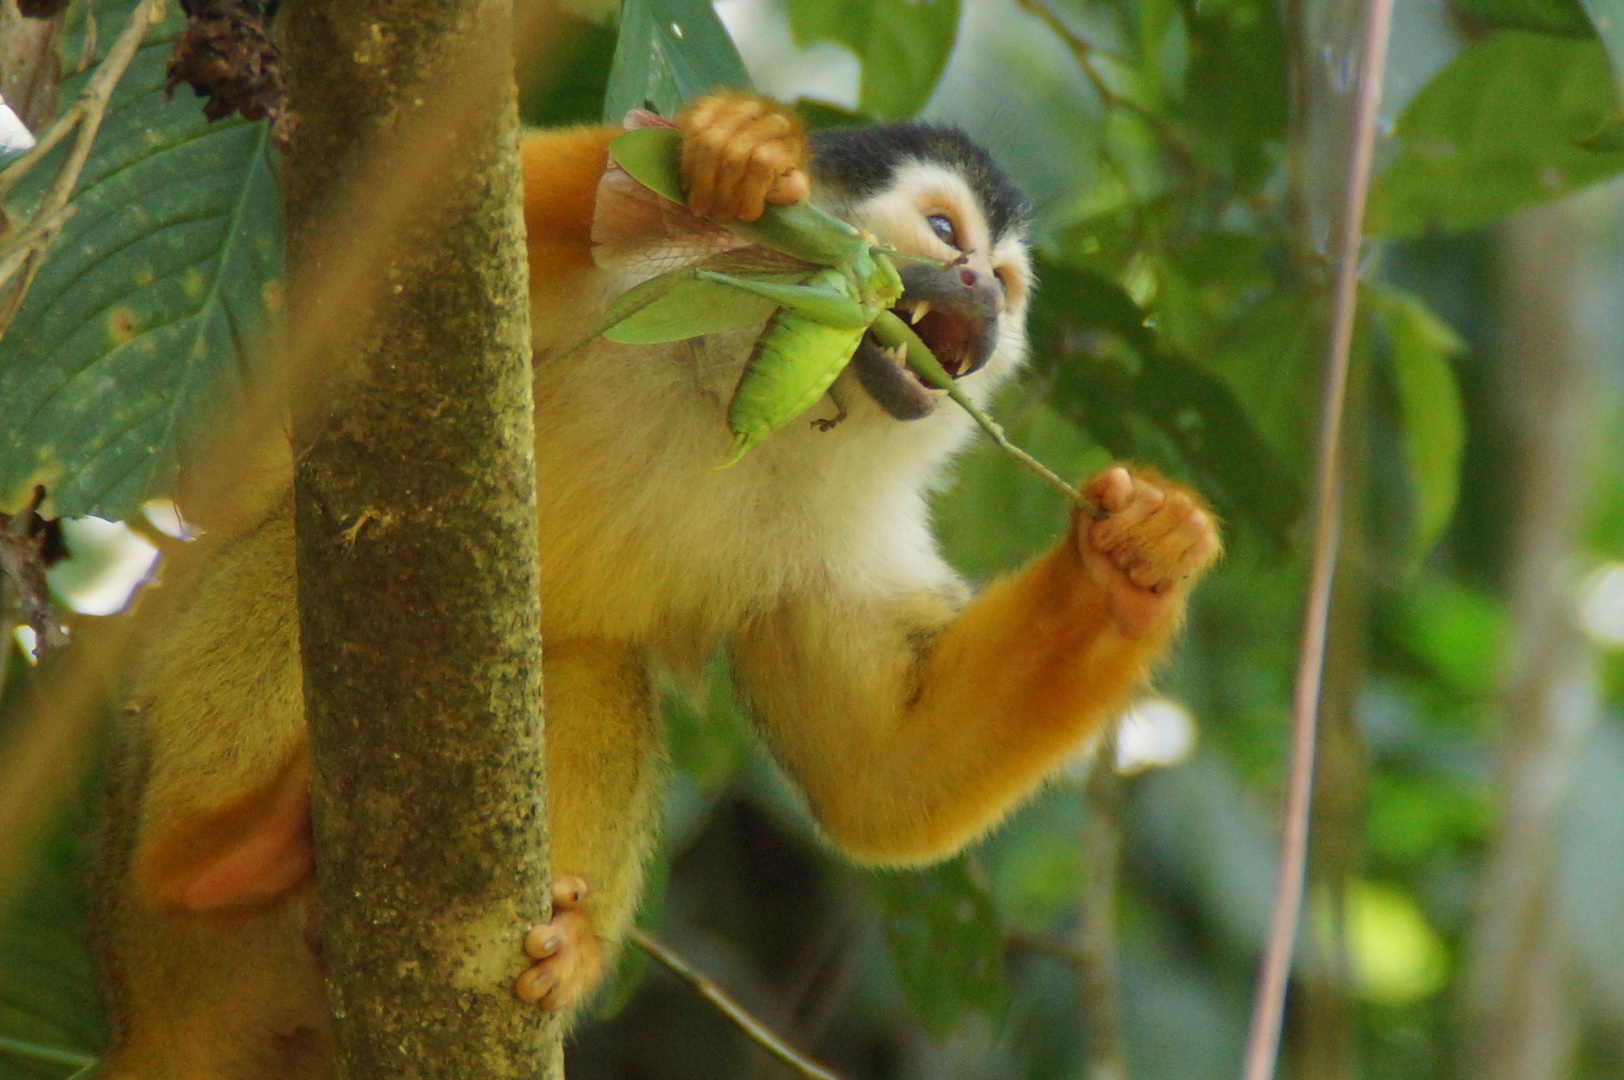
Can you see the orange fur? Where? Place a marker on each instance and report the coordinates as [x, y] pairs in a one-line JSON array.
[[561, 171], [910, 753], [912, 721]]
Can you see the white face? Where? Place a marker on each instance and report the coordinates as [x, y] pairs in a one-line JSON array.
[[930, 210]]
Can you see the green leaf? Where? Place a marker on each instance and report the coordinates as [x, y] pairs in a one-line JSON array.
[[669, 53], [1501, 127], [1430, 402], [681, 305], [1234, 103], [945, 942], [1114, 378], [50, 1019], [1565, 18], [903, 46], [1457, 631], [144, 327], [708, 737]]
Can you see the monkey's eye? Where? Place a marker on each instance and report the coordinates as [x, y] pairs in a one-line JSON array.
[[942, 226]]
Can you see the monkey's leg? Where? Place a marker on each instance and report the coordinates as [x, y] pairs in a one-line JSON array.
[[211, 992], [203, 898], [605, 773]]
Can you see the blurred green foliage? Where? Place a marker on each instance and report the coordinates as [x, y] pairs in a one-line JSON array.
[[1179, 320]]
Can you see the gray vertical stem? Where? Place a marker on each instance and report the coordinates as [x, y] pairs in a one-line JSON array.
[[416, 519], [1521, 1024]]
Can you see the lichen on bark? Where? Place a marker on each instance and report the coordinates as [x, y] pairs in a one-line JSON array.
[[415, 514]]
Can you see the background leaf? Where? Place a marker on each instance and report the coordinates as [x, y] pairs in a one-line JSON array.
[[1113, 378], [669, 52], [1498, 129], [903, 46], [144, 327], [45, 994], [1430, 402], [945, 941], [1566, 18]]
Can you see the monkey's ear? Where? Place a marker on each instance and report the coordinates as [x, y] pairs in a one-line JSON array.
[[249, 852]]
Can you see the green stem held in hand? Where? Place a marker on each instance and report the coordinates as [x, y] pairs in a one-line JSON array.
[[892, 332]]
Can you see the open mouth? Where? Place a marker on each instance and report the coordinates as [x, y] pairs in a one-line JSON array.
[[949, 335], [956, 318]]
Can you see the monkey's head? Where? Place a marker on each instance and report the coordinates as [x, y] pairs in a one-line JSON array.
[[932, 191]]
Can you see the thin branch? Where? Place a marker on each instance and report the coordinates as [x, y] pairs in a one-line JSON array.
[[1046, 946], [1096, 936], [1086, 53], [48, 1054], [763, 1035], [1263, 1041]]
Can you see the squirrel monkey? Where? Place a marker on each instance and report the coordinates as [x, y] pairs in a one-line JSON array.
[[912, 716]]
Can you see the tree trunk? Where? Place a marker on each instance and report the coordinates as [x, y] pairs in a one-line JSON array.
[[416, 519]]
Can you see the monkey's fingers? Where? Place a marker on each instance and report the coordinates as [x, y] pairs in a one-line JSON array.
[[738, 152]]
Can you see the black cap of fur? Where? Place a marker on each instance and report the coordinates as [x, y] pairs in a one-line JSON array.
[[863, 161]]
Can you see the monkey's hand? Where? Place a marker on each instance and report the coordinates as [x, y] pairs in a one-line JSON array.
[[568, 955], [740, 152], [1155, 540]]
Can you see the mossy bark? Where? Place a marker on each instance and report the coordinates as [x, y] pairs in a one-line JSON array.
[[416, 519]]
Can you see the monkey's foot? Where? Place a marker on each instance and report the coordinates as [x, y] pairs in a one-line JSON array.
[[568, 955], [1153, 542], [740, 152]]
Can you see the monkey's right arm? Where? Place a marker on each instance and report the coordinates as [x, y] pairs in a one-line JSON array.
[[913, 726]]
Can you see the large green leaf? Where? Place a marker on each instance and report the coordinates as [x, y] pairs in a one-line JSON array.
[[1502, 127], [50, 1020], [945, 941], [903, 45], [1429, 398], [144, 327], [1235, 88], [669, 52], [1113, 377]]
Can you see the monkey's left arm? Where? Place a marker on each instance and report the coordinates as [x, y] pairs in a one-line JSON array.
[[912, 731]]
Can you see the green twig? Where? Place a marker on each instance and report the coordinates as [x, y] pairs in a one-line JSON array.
[[1086, 53], [48, 1054], [892, 332]]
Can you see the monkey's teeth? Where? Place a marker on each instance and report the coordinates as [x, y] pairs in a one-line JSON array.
[[919, 312], [897, 355]]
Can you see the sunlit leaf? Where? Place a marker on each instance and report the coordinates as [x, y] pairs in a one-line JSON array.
[[669, 53], [903, 45], [945, 942], [1457, 631], [1499, 128], [145, 325], [1429, 397]]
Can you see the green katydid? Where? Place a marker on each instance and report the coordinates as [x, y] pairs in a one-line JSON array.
[[835, 286]]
